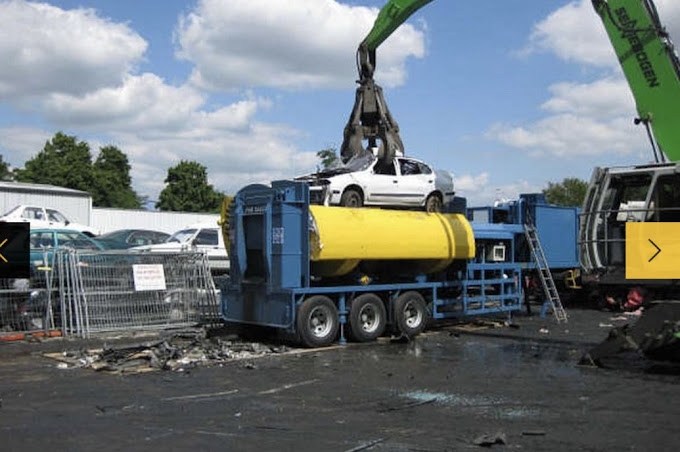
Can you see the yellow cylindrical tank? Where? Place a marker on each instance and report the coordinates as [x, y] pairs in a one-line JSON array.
[[342, 237]]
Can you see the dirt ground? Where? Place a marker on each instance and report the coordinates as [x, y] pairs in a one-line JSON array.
[[453, 388]]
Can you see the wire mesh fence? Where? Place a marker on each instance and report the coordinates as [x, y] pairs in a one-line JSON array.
[[85, 292]]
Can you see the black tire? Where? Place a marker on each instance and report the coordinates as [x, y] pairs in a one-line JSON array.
[[410, 313], [433, 203], [317, 321], [351, 198], [367, 318]]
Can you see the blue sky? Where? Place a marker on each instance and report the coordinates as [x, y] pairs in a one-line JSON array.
[[508, 95]]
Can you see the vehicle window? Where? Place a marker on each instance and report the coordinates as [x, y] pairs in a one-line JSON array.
[[54, 215], [11, 211], [408, 167], [140, 238], [182, 236], [207, 237], [424, 169], [74, 240], [41, 240], [33, 213], [386, 169]]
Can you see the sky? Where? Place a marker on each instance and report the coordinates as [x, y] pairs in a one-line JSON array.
[[508, 95]]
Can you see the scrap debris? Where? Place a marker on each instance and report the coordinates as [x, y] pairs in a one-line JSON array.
[[181, 351]]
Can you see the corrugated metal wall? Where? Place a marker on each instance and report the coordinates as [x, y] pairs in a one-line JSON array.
[[76, 205], [108, 220]]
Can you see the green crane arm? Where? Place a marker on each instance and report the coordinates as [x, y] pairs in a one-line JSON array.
[[651, 66], [390, 17], [370, 118]]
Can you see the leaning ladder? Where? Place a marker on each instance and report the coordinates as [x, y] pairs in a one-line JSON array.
[[549, 288]]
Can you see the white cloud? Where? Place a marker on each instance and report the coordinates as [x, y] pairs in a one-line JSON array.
[[284, 44], [575, 33], [480, 192], [18, 144], [45, 50]]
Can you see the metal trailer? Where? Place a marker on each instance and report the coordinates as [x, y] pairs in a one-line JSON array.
[[271, 282]]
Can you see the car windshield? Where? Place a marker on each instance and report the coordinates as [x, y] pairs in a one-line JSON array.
[[181, 236], [115, 235], [11, 211], [360, 162]]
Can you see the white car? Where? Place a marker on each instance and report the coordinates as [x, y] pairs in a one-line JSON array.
[[45, 218], [203, 237], [364, 181]]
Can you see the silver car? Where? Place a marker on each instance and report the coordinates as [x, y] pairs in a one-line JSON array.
[[365, 181]]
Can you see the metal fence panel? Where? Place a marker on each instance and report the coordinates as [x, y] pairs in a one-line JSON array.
[[121, 290], [79, 293]]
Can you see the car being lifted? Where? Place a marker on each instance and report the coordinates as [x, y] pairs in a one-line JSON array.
[[367, 181]]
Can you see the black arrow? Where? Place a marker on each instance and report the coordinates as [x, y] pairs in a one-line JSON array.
[[655, 254]]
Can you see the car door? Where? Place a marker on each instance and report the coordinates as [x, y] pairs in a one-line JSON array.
[[36, 216], [416, 181], [382, 184]]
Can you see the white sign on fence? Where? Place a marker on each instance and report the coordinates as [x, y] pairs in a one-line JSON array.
[[148, 277]]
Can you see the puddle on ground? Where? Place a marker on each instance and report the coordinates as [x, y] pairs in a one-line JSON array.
[[498, 407]]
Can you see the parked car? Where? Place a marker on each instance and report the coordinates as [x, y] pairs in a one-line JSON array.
[[365, 181], [128, 238], [44, 241], [44, 217], [204, 237]]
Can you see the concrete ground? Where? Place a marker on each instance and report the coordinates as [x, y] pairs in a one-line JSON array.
[[453, 388]]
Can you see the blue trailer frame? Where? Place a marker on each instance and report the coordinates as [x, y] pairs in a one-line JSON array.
[[271, 278]]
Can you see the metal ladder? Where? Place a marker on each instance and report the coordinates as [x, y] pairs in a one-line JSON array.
[[547, 281]]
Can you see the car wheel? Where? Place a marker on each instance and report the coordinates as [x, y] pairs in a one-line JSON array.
[[433, 203], [317, 321], [351, 198]]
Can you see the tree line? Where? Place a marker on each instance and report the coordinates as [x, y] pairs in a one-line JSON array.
[[67, 162]]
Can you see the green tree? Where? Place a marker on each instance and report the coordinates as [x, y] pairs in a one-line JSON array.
[[112, 185], [187, 190], [5, 172], [63, 161], [328, 157], [570, 192]]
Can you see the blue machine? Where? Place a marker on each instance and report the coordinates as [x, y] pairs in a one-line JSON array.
[[272, 284]]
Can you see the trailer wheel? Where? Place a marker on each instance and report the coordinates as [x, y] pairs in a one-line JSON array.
[[317, 321], [410, 313], [367, 318]]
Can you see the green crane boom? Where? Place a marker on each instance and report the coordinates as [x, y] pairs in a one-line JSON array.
[[370, 118], [651, 66]]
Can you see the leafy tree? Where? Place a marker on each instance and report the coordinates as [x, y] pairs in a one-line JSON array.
[[63, 161], [5, 172], [328, 157], [112, 185], [570, 192], [187, 190]]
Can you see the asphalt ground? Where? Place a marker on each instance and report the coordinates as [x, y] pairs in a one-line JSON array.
[[452, 388]]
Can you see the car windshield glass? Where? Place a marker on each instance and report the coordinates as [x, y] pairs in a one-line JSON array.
[[11, 211], [359, 162], [53, 215], [181, 236], [114, 235]]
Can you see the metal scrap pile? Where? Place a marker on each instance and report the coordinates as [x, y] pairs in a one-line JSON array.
[[177, 353]]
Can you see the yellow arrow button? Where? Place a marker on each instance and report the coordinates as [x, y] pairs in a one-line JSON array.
[[653, 250]]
